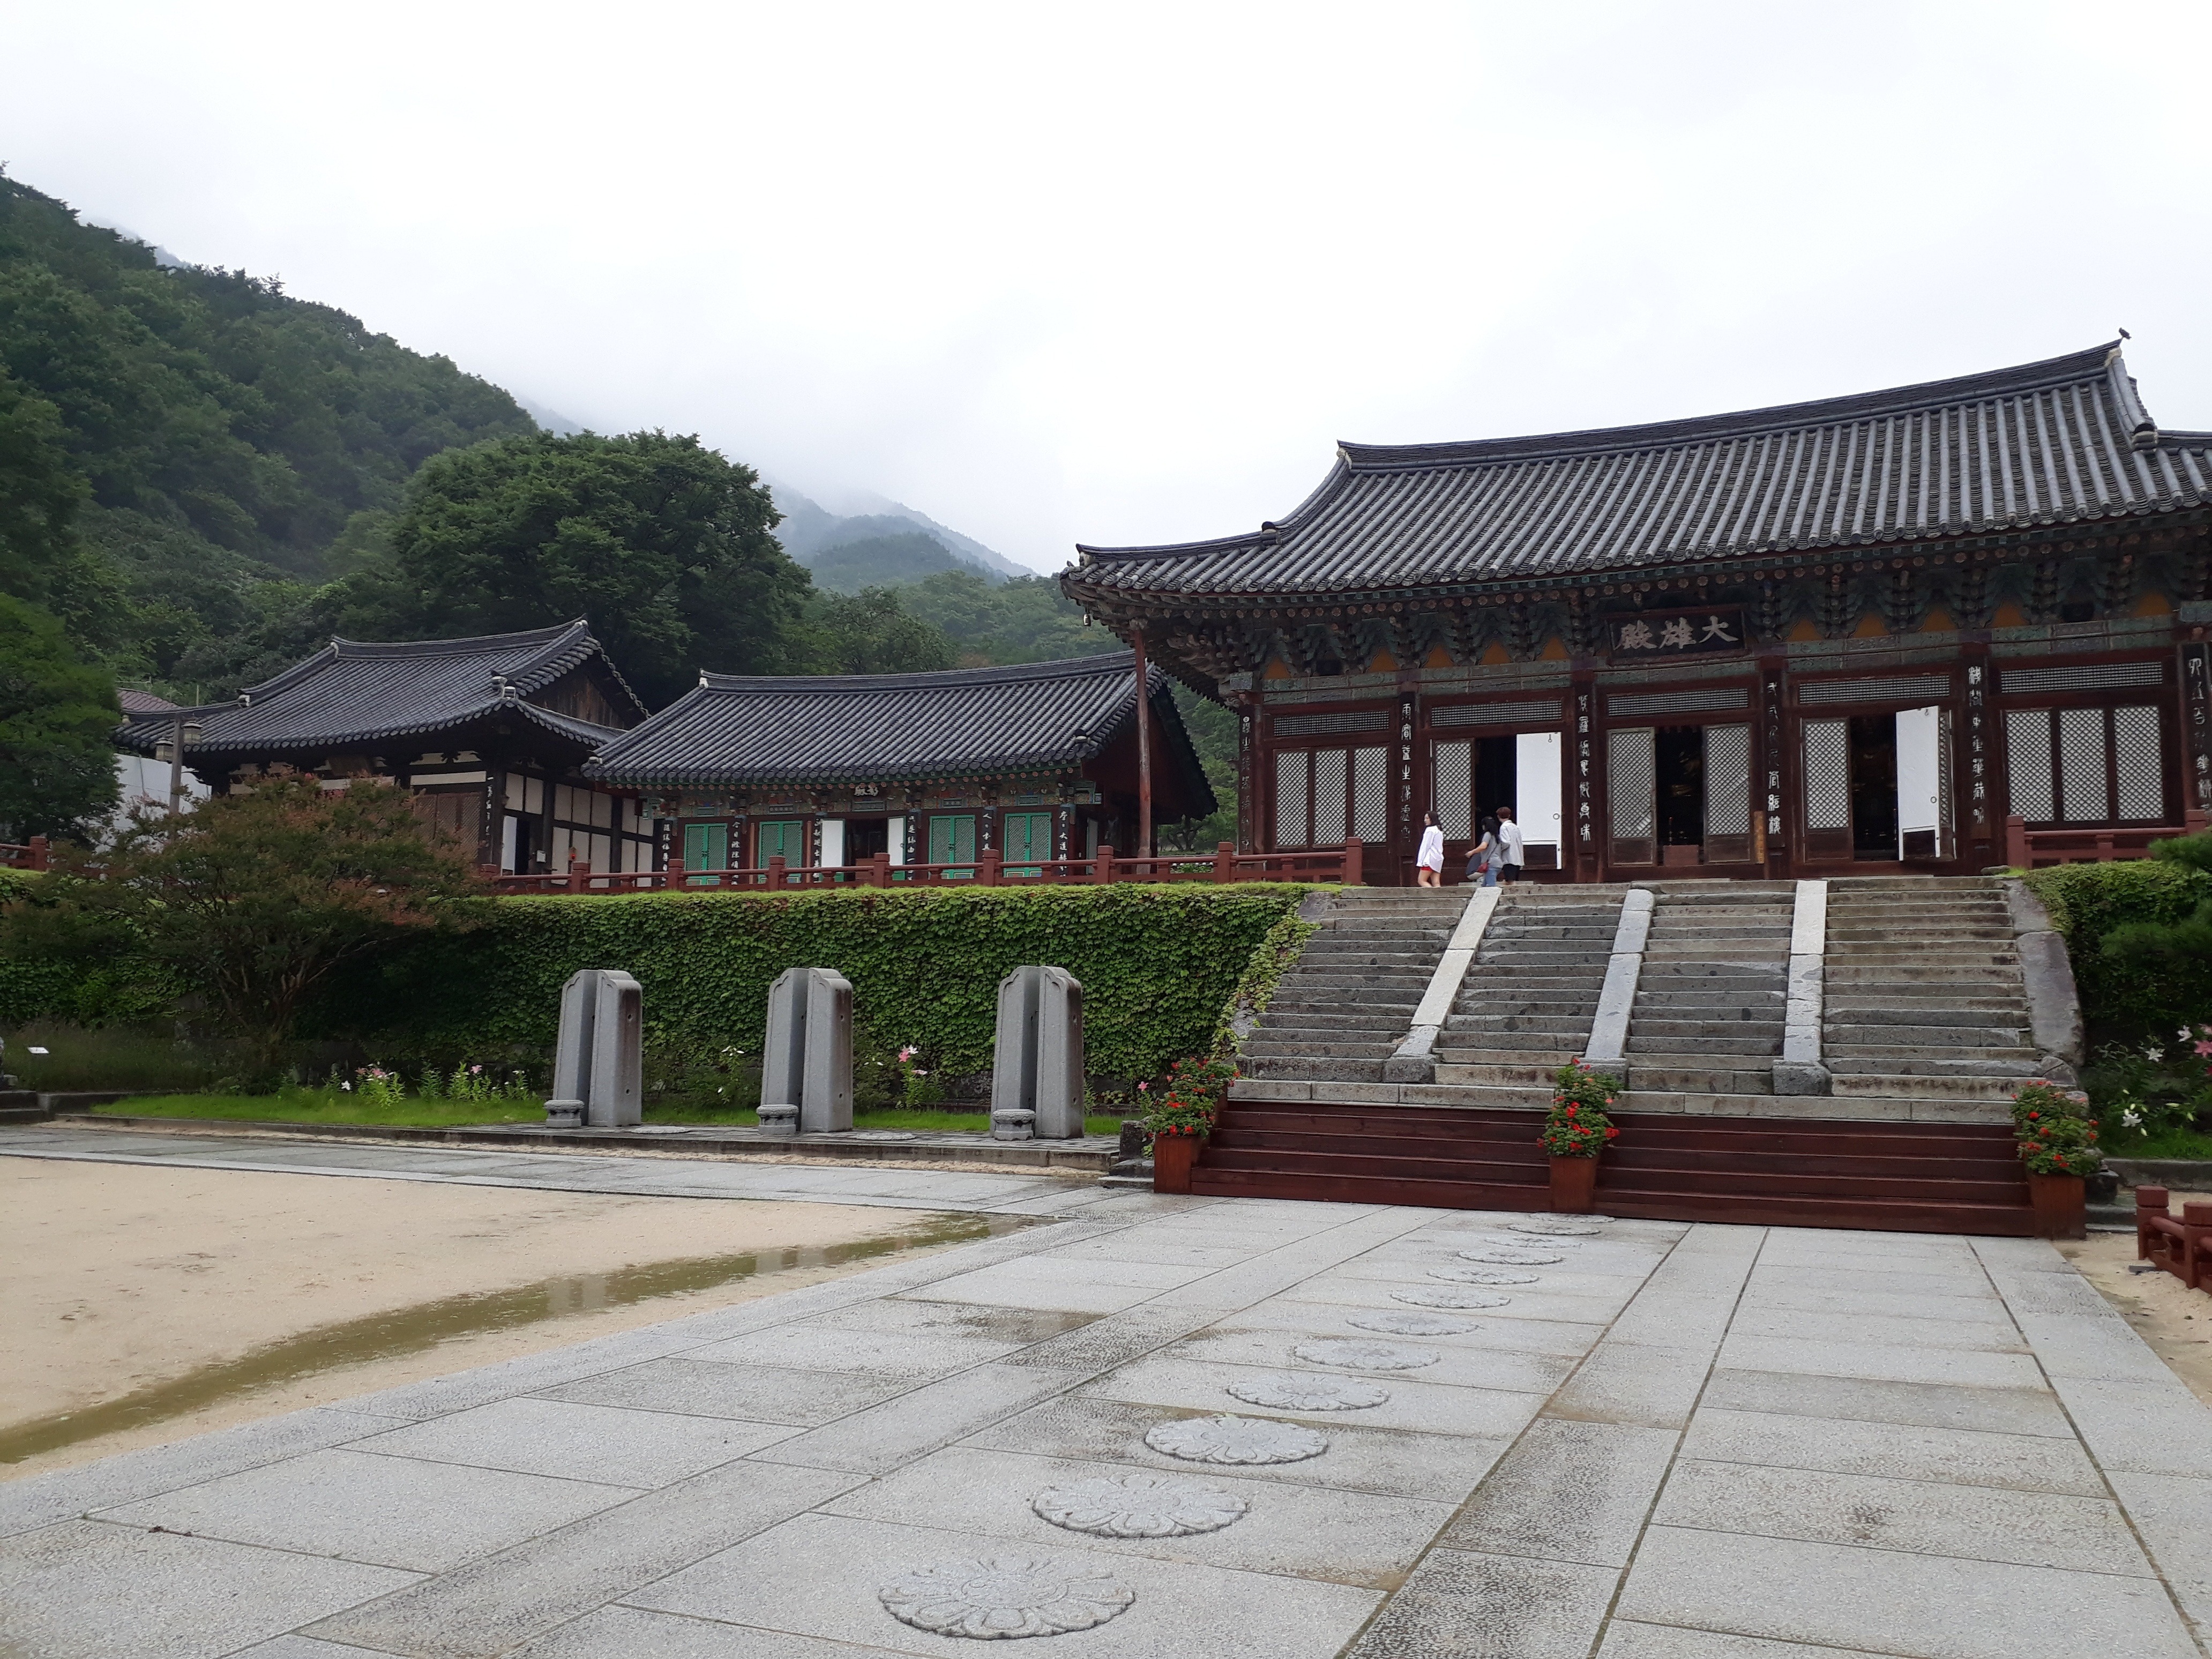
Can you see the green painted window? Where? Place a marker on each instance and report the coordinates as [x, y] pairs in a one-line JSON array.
[[785, 840], [952, 840], [1028, 840], [706, 847]]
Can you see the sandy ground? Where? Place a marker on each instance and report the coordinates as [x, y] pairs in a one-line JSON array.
[[2174, 1320], [121, 1277]]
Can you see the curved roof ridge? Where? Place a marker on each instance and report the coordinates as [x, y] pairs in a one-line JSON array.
[[557, 633], [1119, 662], [2100, 363], [2075, 365]]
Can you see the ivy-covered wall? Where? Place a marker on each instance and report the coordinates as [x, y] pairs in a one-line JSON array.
[[2121, 998], [1157, 966]]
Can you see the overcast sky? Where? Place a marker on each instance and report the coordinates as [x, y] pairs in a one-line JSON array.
[[1126, 273]]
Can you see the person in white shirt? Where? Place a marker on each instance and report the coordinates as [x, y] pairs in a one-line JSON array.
[[1429, 862], [1509, 846]]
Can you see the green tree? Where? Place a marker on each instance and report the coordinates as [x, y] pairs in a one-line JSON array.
[[254, 900], [870, 633], [57, 720], [2185, 946], [664, 543]]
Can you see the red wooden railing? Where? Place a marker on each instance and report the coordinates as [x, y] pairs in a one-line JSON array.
[[989, 869], [2038, 849], [29, 856]]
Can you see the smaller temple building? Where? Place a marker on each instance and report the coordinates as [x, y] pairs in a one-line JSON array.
[[1035, 762], [491, 733]]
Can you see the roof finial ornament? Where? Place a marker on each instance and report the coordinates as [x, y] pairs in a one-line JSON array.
[[2124, 335]]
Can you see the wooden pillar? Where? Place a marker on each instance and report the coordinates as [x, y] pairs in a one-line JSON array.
[[1143, 750]]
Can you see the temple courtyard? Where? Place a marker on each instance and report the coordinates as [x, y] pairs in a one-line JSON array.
[[1126, 1424]]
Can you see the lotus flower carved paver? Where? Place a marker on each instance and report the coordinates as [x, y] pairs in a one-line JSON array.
[[1004, 1596], [1236, 1440], [1482, 1275], [1503, 1257], [1354, 1355], [1413, 1324], [1139, 1506], [1533, 1241], [1300, 1391], [1560, 1226], [1442, 1296]]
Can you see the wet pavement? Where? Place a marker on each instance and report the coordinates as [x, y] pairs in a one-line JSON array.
[[1178, 1426]]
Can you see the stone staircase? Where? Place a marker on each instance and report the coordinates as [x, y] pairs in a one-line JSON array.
[[1716, 984], [1927, 1033], [1347, 1001], [1924, 998], [1525, 1007]]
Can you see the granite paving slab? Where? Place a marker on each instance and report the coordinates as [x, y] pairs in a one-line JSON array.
[[1676, 1443]]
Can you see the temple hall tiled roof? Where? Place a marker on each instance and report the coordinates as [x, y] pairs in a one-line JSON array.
[[891, 728], [353, 691], [2060, 441]]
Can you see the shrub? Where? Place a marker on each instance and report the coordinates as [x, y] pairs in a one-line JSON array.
[[1577, 1125], [1197, 1088], [2053, 1130], [253, 902], [1157, 965], [2139, 935]]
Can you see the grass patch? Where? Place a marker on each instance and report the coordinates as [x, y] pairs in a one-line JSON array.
[[333, 1106], [114, 1057], [2170, 1143], [325, 1106]]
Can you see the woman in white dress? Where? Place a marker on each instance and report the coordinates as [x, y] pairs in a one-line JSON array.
[[1429, 862]]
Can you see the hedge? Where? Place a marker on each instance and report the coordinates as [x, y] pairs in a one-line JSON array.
[[2124, 998], [1156, 963]]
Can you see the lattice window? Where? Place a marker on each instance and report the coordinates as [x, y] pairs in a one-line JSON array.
[[1328, 798], [1371, 794], [1727, 781], [2140, 766], [1631, 770], [1678, 703], [1452, 785], [2084, 773], [2027, 758], [1355, 720], [1293, 800], [1495, 714], [1827, 774]]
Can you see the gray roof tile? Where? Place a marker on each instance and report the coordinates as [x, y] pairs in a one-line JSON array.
[[890, 728], [2058, 441], [354, 691]]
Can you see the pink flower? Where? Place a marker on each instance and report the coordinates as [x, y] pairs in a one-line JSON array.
[[2204, 1049]]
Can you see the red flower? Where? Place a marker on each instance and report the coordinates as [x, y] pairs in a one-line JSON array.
[[1610, 1134], [1571, 1110]]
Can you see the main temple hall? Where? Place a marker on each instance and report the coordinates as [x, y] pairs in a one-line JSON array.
[[1938, 629]]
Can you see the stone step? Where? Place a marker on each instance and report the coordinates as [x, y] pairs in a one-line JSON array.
[[1319, 1071], [1905, 1085], [1470, 1091], [1279, 1018], [1491, 1024], [1676, 1036], [1858, 1036], [1729, 1054], [1520, 1042], [1529, 1074], [1930, 1065], [1722, 1025], [1258, 1047], [1881, 1057], [1693, 1078]]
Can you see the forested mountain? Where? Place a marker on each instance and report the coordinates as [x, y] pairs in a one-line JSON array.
[[202, 477], [216, 435]]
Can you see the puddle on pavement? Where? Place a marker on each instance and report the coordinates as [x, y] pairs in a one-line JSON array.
[[410, 1330]]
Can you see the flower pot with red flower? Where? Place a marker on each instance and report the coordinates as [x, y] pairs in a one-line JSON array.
[[1576, 1132], [2057, 1141], [1179, 1120]]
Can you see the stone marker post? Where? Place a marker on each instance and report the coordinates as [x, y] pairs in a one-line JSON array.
[[806, 1068], [598, 1061], [572, 1052], [1036, 1056], [617, 1097]]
